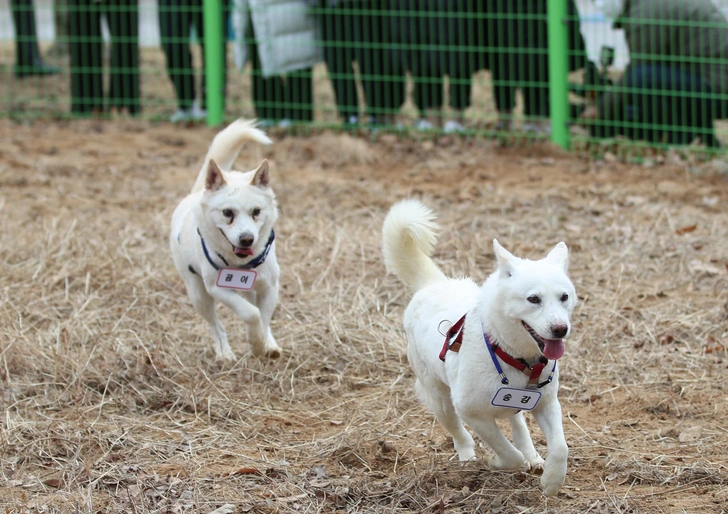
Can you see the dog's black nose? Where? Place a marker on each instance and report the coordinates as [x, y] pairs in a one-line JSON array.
[[246, 240], [559, 331]]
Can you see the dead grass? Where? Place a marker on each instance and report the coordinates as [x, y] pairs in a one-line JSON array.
[[112, 402]]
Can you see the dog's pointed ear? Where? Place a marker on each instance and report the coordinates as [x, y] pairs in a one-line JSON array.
[[262, 175], [559, 256], [505, 259], [214, 179]]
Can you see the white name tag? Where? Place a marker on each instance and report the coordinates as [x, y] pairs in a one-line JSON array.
[[521, 399], [231, 278]]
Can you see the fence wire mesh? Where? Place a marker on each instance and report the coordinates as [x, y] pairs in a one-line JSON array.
[[654, 72]]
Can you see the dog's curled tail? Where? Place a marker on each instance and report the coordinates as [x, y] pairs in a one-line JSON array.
[[226, 146], [409, 237]]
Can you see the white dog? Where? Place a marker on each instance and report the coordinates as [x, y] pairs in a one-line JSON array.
[[222, 241], [501, 347]]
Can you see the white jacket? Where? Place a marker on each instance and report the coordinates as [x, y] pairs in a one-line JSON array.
[[286, 32]]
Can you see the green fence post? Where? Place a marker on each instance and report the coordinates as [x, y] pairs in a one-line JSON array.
[[214, 60], [558, 38]]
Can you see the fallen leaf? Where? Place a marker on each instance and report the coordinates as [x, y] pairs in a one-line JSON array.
[[243, 471], [666, 339], [53, 482], [686, 230]]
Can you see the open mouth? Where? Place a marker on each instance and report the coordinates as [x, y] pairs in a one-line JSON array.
[[242, 252], [239, 251], [551, 348]]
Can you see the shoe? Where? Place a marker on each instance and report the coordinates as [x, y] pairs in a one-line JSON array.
[[38, 68], [424, 125], [453, 127], [537, 127], [193, 113]]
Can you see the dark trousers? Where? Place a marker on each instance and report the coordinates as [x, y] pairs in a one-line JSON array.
[[664, 104], [280, 97], [517, 38], [86, 49], [437, 38], [176, 19], [359, 31], [26, 39]]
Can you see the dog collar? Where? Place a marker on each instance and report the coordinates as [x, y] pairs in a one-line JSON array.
[[454, 340], [252, 264], [533, 371]]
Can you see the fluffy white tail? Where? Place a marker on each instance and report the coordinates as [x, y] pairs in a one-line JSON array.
[[227, 144], [409, 237]]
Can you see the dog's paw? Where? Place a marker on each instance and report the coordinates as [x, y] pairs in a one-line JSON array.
[[274, 353], [551, 481], [466, 454], [534, 465], [496, 462], [226, 356]]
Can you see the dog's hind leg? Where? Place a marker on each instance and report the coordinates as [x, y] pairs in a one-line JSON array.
[[267, 300], [522, 440], [204, 304], [436, 396]]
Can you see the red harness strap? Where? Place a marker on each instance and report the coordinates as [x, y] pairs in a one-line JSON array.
[[453, 338], [521, 365]]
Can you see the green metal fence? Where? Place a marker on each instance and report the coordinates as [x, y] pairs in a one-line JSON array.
[[655, 76]]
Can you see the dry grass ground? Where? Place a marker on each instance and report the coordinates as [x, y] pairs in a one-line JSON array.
[[112, 401]]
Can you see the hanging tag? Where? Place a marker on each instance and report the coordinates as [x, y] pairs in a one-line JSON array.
[[231, 278], [513, 398]]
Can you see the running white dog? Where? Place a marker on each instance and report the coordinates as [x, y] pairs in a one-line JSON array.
[[222, 242], [502, 342]]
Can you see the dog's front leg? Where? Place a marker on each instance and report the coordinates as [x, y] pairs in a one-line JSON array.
[[522, 440], [548, 417], [246, 311], [506, 456], [267, 301]]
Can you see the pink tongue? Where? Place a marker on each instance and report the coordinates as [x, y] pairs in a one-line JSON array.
[[243, 251], [553, 348]]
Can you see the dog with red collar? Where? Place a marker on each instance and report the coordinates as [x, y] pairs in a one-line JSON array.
[[499, 355]]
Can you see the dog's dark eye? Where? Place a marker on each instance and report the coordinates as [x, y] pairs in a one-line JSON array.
[[564, 297], [534, 299], [228, 213], [255, 213]]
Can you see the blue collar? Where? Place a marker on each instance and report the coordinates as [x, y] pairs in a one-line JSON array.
[[254, 263]]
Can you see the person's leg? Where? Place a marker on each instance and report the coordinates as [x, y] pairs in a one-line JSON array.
[[123, 20], [679, 114], [532, 67], [337, 26], [86, 48], [499, 34], [461, 59], [383, 78], [28, 61], [298, 95], [175, 20]]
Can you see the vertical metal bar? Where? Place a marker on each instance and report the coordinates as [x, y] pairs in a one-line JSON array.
[[558, 38], [214, 41]]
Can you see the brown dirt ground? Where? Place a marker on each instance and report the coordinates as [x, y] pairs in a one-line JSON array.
[[112, 401]]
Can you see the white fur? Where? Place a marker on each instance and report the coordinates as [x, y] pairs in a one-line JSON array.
[[460, 390], [251, 200]]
